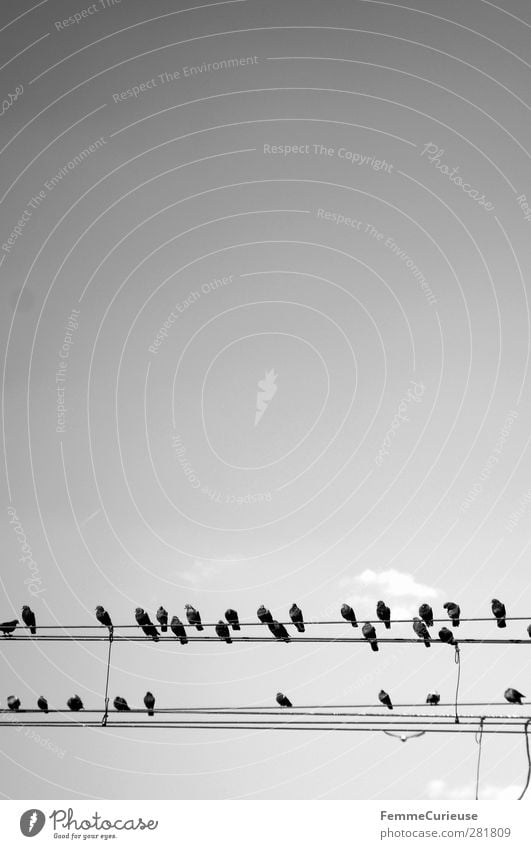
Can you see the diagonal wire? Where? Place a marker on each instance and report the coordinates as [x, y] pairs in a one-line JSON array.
[[522, 794], [479, 741], [106, 711]]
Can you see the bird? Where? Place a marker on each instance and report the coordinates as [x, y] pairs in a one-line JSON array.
[[103, 617], [120, 704], [264, 614], [179, 630], [385, 699], [75, 703], [426, 614], [433, 699], [232, 618], [42, 704], [384, 613], [454, 612], [283, 700], [513, 696], [222, 630], [162, 619], [295, 614], [8, 627], [421, 631], [28, 617], [498, 609], [149, 701], [193, 616], [146, 624], [529, 630], [446, 636], [369, 632], [348, 613], [13, 703], [279, 631]]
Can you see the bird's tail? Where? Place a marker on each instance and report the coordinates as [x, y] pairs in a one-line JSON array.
[[199, 627], [390, 706], [388, 625], [155, 638], [427, 644], [235, 626], [183, 640], [33, 630], [228, 640], [502, 623], [354, 623], [163, 628], [151, 713], [299, 626], [456, 623], [374, 645]]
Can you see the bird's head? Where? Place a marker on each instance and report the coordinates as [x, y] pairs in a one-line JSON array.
[[139, 611], [25, 608], [99, 608], [188, 607], [495, 601]]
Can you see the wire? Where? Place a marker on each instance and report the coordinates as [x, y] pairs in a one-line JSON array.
[[106, 697], [270, 640], [522, 794], [458, 662], [479, 741]]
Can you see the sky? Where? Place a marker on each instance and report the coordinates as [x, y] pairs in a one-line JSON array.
[[265, 339]]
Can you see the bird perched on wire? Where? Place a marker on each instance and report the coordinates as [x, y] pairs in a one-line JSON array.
[[179, 630], [28, 617], [283, 700], [222, 630], [279, 631], [162, 619], [347, 613], [426, 614], [384, 613], [120, 704], [75, 703], [446, 636], [264, 615], [13, 703], [103, 617], [42, 704], [8, 627], [433, 699], [232, 618], [529, 630], [454, 612], [369, 632], [193, 616], [498, 609], [513, 696], [385, 699], [421, 631], [149, 701], [146, 624], [295, 614]]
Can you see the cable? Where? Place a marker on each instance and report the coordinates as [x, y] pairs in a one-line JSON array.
[[479, 741], [270, 640], [457, 659], [106, 697], [522, 794]]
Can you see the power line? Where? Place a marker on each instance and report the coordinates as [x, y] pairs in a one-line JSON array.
[[242, 639]]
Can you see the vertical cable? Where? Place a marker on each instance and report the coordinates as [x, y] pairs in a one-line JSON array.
[[522, 794], [479, 741], [457, 660], [106, 711]]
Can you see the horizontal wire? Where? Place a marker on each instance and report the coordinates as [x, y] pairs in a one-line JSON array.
[[470, 728], [294, 639], [287, 712]]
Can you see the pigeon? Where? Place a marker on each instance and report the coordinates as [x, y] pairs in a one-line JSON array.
[[499, 612], [529, 630], [179, 630], [426, 614], [120, 704], [103, 617], [8, 627], [369, 632], [433, 699], [348, 613], [454, 612], [295, 614], [162, 619], [421, 631], [232, 618], [283, 700], [149, 701], [513, 696], [385, 699], [75, 703], [222, 630], [278, 631], [146, 624], [28, 617], [193, 616], [264, 614], [384, 613], [42, 704], [446, 636], [13, 703]]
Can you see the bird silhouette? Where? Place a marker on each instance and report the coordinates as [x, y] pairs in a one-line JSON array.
[[120, 704], [454, 612], [421, 631], [384, 613], [279, 631], [369, 632], [446, 636], [103, 617], [498, 609], [283, 700], [193, 616], [146, 624], [529, 630], [179, 630], [28, 617], [433, 699], [13, 703], [348, 613], [264, 615], [513, 696], [75, 703], [8, 627], [162, 619], [42, 704], [222, 630], [149, 701], [232, 618], [385, 699], [426, 614], [295, 614]]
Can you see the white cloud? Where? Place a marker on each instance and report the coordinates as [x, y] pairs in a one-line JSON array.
[[393, 584], [439, 789]]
